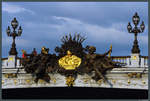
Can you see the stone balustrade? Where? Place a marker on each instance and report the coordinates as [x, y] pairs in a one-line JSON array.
[[126, 60], [117, 78]]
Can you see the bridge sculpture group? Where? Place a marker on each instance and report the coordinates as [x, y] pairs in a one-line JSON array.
[[75, 65]]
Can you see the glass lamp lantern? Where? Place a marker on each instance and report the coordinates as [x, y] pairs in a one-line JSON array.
[[142, 26], [14, 23], [129, 27], [136, 19], [19, 31], [8, 31]]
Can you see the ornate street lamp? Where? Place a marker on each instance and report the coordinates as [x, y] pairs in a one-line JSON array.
[[14, 34], [136, 30]]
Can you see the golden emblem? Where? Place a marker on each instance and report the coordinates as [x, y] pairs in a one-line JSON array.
[[41, 81], [114, 81], [143, 82], [70, 81], [28, 81], [54, 80], [69, 62], [3, 82], [129, 81], [100, 81], [10, 59], [15, 81], [134, 57]]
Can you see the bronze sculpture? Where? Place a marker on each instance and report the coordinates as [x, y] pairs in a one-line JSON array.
[[90, 62]]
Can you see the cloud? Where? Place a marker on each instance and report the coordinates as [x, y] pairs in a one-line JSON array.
[[99, 22], [143, 39], [19, 42], [103, 13], [44, 34], [97, 33], [116, 34], [10, 8], [67, 20]]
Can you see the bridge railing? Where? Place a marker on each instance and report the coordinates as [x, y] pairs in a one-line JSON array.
[[144, 61], [5, 62], [126, 60]]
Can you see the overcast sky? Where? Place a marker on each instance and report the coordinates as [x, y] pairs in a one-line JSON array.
[[103, 23]]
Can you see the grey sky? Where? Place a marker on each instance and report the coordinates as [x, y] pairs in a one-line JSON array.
[[103, 23]]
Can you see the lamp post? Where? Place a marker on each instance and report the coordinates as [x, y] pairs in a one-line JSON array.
[[136, 30], [14, 34]]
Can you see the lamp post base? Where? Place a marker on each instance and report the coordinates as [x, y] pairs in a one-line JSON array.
[[11, 63], [135, 60], [13, 51]]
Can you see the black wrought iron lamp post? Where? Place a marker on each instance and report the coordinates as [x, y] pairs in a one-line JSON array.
[[14, 34], [136, 30]]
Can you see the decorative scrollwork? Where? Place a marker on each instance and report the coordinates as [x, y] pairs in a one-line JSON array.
[[10, 75], [134, 75], [70, 81]]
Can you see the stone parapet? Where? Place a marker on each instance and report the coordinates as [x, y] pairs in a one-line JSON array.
[[117, 78]]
